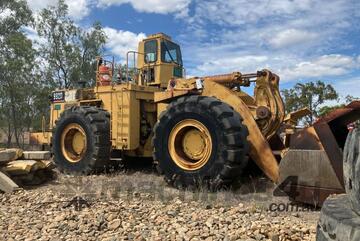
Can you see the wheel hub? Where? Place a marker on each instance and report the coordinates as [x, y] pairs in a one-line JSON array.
[[194, 144], [190, 144], [73, 142], [78, 142]]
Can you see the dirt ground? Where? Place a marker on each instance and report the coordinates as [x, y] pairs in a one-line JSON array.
[[136, 204]]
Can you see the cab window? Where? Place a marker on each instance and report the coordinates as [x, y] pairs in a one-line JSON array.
[[150, 51], [170, 52]]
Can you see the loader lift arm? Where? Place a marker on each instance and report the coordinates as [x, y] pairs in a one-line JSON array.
[[262, 120]]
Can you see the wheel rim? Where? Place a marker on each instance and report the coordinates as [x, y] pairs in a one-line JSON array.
[[190, 144], [73, 142]]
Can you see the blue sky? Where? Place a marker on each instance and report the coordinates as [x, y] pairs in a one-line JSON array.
[[300, 40]]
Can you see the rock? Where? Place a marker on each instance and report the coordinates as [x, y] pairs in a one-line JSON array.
[[59, 218], [23, 167], [209, 222], [111, 217], [40, 214], [115, 224], [8, 155], [36, 155], [7, 184], [274, 237]]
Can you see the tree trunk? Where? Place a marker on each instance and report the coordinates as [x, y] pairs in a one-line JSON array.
[[9, 136], [14, 119]]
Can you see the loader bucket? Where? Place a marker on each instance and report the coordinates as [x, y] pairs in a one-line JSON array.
[[312, 168]]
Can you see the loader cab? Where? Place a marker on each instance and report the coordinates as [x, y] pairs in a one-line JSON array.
[[159, 61]]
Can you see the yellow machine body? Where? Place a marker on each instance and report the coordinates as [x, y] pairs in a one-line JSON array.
[[158, 60], [135, 104]]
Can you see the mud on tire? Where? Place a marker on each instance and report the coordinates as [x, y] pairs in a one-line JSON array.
[[229, 145], [96, 124]]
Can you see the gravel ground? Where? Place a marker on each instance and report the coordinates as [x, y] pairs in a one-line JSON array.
[[140, 206]]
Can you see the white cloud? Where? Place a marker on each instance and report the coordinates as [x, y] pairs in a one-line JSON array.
[[179, 7], [294, 38], [241, 12], [119, 42], [33, 36], [39, 4], [222, 65], [298, 39], [77, 9], [288, 67], [326, 65], [275, 23], [290, 37], [5, 14], [347, 87]]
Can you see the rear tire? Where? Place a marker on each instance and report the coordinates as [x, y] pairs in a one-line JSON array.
[[94, 123], [352, 168], [338, 222], [225, 157]]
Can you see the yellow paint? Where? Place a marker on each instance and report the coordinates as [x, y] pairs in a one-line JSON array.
[[267, 94], [39, 138], [190, 144], [161, 107], [260, 150], [163, 71], [194, 144], [132, 104], [73, 142], [78, 142]]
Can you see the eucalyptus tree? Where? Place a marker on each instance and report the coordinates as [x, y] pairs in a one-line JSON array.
[[68, 49], [310, 95]]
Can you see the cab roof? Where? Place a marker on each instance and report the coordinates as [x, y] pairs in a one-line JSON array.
[[158, 35]]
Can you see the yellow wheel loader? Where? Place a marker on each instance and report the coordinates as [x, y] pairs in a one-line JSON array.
[[199, 130]]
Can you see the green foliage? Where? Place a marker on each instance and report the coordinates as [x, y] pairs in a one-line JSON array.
[[92, 45], [350, 98], [69, 50], [311, 95], [18, 81], [28, 75], [17, 15]]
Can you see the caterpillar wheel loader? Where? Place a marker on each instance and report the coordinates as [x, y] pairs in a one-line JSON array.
[[198, 130]]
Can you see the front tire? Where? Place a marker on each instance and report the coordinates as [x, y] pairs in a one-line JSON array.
[[81, 140], [200, 141]]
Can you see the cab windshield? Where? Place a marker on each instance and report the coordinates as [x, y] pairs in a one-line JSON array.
[[170, 52]]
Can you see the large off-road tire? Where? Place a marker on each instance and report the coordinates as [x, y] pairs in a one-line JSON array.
[[81, 140], [338, 222], [200, 142], [352, 168]]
